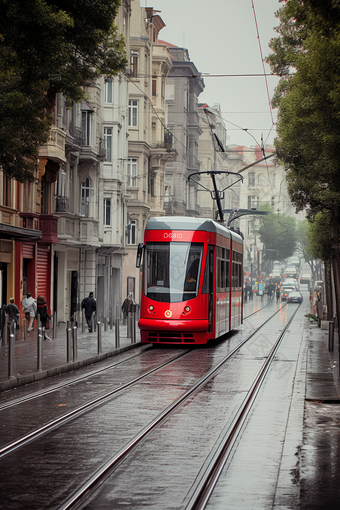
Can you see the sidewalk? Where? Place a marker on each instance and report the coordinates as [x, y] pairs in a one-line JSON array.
[[322, 371], [55, 354]]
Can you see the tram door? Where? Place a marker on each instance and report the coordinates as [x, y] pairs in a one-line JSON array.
[[210, 260]]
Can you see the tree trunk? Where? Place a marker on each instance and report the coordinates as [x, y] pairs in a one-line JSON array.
[[328, 291], [335, 249]]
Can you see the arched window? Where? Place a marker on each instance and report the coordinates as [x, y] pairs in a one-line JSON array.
[[85, 198]]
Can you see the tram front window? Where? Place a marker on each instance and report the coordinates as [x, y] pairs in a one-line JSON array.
[[172, 271]]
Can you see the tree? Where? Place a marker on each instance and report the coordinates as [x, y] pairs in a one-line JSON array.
[[48, 47], [307, 57], [277, 234], [319, 238]]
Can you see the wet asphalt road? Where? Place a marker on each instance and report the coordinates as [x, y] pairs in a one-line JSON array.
[[160, 473]]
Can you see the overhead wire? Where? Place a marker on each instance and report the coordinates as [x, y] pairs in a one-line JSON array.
[[262, 62]]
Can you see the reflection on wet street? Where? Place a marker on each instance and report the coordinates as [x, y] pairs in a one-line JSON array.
[[320, 457]]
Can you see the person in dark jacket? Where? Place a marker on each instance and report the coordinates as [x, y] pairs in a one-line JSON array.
[[13, 312], [89, 305], [44, 316]]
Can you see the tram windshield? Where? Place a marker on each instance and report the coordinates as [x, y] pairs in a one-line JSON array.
[[172, 271]]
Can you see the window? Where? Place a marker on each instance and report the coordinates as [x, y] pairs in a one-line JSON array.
[[134, 63], [132, 172], [85, 195], [61, 183], [132, 232], [108, 143], [154, 86], [172, 271], [45, 195], [7, 191], [133, 110], [107, 212], [27, 193], [170, 91], [86, 118], [251, 179], [253, 202], [108, 91]]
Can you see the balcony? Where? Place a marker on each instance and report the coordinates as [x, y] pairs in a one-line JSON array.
[[55, 146], [62, 204], [48, 224]]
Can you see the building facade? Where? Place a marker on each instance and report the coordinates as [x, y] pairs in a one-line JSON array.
[[183, 87], [150, 144]]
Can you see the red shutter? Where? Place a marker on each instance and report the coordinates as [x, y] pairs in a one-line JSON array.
[[27, 251], [43, 274]]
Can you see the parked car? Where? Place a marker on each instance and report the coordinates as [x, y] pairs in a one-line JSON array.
[[305, 278], [294, 297]]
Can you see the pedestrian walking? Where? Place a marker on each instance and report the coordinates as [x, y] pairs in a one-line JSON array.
[[29, 305], [278, 294], [44, 316], [13, 313], [128, 306], [89, 305]]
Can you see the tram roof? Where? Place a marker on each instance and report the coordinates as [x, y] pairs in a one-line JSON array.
[[191, 223]]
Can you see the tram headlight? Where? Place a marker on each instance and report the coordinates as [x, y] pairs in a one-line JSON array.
[[187, 309], [151, 308]]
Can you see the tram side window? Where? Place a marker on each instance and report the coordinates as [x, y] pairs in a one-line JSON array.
[[223, 268], [227, 268], [158, 262]]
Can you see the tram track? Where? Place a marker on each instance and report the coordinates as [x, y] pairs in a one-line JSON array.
[[206, 483], [87, 488], [94, 402]]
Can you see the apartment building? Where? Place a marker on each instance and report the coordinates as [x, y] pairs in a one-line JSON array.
[[183, 87], [149, 142]]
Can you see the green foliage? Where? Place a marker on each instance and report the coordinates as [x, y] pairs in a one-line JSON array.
[[48, 47], [319, 237], [278, 233], [307, 56]]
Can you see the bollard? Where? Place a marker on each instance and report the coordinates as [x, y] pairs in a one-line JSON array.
[[11, 349], [331, 336], [68, 342], [133, 327], [110, 319], [82, 320], [117, 339], [40, 348], [75, 343], [128, 326], [5, 333], [54, 325], [24, 325], [99, 336]]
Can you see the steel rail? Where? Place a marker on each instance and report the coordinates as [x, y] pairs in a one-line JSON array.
[[106, 469], [55, 387], [207, 483], [62, 420]]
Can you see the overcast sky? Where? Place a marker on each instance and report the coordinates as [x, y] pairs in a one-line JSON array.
[[221, 38]]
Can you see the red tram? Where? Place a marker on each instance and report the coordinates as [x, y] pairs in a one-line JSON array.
[[192, 280]]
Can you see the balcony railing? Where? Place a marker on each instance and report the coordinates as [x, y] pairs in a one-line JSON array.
[[48, 224], [54, 149], [62, 204], [76, 133]]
